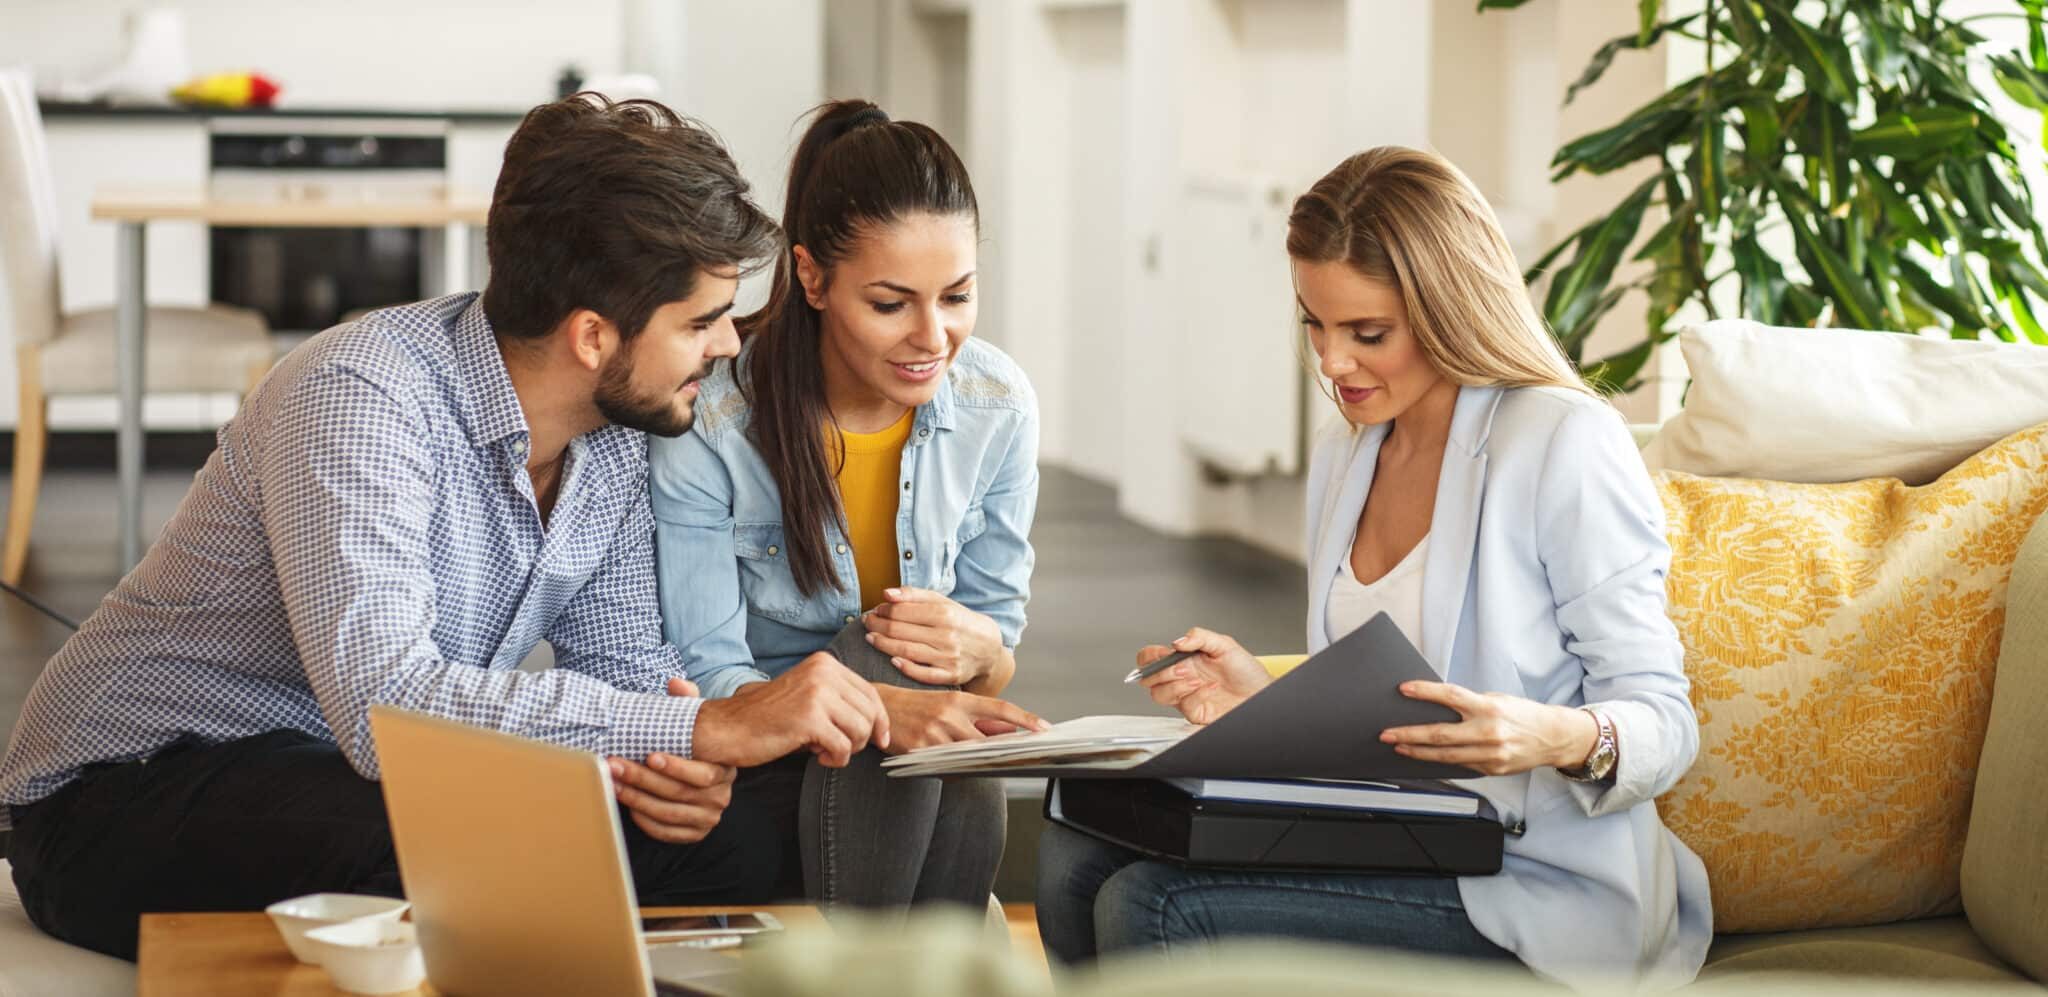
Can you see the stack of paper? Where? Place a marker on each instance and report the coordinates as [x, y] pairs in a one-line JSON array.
[[1107, 742]]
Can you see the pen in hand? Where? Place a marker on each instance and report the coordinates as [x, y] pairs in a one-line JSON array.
[[1158, 666]]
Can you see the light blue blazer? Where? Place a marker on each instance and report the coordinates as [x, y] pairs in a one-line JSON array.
[[1545, 579]]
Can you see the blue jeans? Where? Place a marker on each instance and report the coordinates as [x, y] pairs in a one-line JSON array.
[[1095, 898]]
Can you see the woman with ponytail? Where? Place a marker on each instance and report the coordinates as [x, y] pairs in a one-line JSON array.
[[862, 481]]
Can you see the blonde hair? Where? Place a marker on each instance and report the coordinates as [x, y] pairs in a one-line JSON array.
[[1411, 220]]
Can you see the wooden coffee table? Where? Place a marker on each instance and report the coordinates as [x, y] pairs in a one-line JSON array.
[[228, 955]]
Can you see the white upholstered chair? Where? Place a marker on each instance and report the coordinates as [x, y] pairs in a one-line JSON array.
[[212, 349]]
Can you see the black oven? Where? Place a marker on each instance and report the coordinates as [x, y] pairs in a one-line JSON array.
[[306, 279]]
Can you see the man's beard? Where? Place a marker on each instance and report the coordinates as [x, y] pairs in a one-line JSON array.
[[656, 413]]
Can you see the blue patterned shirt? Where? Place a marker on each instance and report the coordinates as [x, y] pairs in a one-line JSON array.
[[365, 532]]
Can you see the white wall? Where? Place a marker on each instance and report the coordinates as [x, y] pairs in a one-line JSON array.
[[1078, 213], [751, 71], [1090, 46]]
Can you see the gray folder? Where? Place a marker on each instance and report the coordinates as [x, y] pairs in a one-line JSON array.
[[1320, 721]]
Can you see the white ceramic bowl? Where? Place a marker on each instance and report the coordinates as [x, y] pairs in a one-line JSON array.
[[370, 955], [299, 915]]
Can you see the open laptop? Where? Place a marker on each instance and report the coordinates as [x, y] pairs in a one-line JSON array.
[[513, 859]]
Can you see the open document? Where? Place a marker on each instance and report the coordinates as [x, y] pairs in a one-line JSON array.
[[1320, 721]]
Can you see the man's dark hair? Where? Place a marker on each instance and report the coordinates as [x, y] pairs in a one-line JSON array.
[[614, 207]]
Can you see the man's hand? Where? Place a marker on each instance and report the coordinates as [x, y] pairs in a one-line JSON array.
[[919, 718], [820, 704]]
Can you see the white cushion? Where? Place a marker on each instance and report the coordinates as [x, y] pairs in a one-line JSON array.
[[1831, 405], [33, 963], [184, 349]]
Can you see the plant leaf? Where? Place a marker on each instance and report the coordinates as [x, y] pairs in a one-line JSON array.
[[2037, 44], [1822, 59], [1826, 149], [2021, 82], [1883, 56], [1576, 290], [1603, 57], [2021, 312], [1845, 287], [1709, 168], [1645, 133], [1898, 210], [1742, 24], [1763, 280], [1915, 133], [1617, 374], [1884, 277], [1941, 297], [1760, 132], [1666, 234]]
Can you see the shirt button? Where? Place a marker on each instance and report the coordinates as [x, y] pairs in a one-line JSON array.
[[923, 433], [842, 548], [849, 618], [906, 486], [906, 555], [773, 550]]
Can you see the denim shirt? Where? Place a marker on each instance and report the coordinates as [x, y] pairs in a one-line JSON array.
[[729, 602]]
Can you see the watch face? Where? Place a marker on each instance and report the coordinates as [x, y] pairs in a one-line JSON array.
[[1602, 761], [1604, 753]]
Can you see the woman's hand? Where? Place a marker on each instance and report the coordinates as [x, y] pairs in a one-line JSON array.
[[934, 640], [1499, 734], [1208, 685], [920, 718]]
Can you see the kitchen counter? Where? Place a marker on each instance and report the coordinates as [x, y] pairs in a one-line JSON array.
[[101, 109]]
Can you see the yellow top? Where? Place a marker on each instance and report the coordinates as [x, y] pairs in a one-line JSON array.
[[868, 486]]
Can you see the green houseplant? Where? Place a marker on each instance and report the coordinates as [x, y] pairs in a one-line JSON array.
[[1861, 128]]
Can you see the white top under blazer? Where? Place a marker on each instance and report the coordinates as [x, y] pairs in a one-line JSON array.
[[1398, 593], [1544, 578]]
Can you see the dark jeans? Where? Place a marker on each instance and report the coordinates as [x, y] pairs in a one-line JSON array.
[[872, 841], [1096, 898], [243, 824]]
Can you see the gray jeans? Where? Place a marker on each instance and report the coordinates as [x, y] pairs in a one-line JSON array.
[[871, 841]]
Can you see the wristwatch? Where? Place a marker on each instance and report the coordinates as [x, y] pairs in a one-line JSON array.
[[1600, 764]]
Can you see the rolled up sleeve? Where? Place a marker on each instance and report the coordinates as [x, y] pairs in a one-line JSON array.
[[1600, 532]]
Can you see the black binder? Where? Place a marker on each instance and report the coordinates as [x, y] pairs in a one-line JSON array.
[[1155, 818]]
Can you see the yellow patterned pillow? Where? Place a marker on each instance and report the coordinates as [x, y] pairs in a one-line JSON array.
[[1841, 641]]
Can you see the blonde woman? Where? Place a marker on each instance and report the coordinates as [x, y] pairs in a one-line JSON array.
[[1497, 510]]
